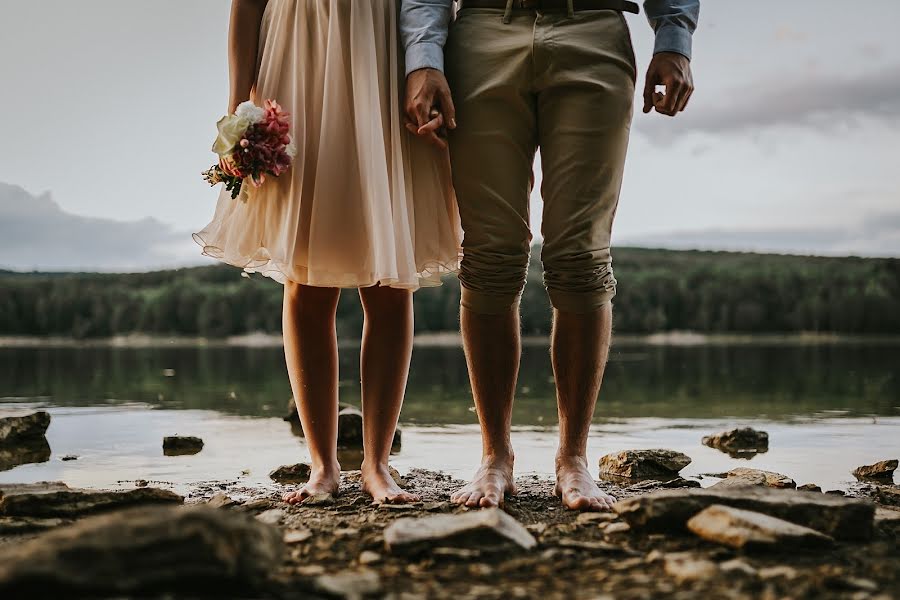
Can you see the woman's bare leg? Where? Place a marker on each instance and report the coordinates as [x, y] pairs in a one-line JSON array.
[[384, 367], [310, 350]]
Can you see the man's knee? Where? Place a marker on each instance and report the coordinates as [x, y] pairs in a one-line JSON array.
[[577, 287], [492, 283]]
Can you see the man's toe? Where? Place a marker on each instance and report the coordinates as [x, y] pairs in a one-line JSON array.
[[490, 499], [474, 499]]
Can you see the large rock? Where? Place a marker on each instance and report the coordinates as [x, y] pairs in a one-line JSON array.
[[24, 453], [841, 518], [644, 464], [181, 445], [349, 426], [298, 473], [743, 477], [744, 529], [155, 550], [18, 428], [56, 500], [880, 470], [482, 529], [739, 442]]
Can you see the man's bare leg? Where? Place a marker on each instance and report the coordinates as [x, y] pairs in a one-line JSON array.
[[579, 351], [384, 365], [310, 350], [493, 347]]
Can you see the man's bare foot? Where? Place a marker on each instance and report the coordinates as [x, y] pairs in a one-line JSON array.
[[378, 483], [321, 481], [576, 487], [492, 483]]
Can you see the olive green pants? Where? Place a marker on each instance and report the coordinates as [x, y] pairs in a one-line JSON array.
[[566, 85]]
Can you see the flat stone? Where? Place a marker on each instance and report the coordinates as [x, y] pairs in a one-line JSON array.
[[298, 473], [16, 525], [809, 487], [739, 442], [478, 529], [272, 516], [351, 585], [669, 510], [181, 445], [736, 565], [169, 550], [744, 529], [53, 501], [297, 536], [367, 557], [644, 464], [25, 452], [880, 470], [743, 476], [220, 500], [594, 518], [686, 567], [616, 528], [21, 427], [778, 572]]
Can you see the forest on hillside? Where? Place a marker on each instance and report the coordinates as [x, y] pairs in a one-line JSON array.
[[659, 290]]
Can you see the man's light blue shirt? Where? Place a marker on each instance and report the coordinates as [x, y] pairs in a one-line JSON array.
[[424, 25]]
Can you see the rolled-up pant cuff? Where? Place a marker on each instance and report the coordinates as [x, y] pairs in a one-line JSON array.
[[489, 304], [580, 302]]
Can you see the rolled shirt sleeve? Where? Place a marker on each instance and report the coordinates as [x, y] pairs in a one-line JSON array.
[[674, 22], [423, 30]]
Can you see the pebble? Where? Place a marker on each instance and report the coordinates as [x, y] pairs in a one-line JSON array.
[[737, 565], [367, 557], [271, 517], [297, 536], [685, 567]]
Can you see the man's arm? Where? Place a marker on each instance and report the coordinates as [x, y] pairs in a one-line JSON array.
[[674, 22], [423, 30]]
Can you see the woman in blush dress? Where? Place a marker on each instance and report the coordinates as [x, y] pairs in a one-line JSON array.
[[366, 205]]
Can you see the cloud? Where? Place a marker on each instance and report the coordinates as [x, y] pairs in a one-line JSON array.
[[36, 234], [819, 103], [875, 236]]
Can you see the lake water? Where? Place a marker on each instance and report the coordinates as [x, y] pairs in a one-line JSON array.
[[827, 407]]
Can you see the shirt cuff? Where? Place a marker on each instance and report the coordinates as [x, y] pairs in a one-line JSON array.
[[673, 38], [424, 55]]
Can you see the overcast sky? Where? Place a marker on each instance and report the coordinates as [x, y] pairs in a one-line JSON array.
[[111, 106]]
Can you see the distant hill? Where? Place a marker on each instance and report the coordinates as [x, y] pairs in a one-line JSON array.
[[659, 290], [36, 234]]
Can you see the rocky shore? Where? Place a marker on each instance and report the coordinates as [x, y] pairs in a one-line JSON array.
[[663, 541], [753, 534]]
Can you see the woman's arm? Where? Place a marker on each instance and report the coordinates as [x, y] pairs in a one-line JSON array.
[[243, 47]]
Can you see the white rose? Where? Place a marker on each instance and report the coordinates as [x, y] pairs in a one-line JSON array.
[[291, 148], [251, 112]]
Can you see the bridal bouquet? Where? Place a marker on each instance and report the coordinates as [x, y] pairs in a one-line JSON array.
[[253, 142]]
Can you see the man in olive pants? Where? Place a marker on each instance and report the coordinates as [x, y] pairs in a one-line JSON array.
[[558, 75]]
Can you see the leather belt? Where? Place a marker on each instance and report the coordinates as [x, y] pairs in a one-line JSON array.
[[620, 5]]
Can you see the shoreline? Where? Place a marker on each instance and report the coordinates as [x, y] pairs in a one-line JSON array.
[[453, 339]]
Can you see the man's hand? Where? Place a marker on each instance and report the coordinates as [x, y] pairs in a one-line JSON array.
[[429, 107], [673, 71]]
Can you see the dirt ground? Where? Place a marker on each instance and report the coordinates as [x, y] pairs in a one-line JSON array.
[[585, 557]]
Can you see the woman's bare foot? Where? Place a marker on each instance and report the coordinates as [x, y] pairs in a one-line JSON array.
[[492, 483], [378, 483], [321, 481], [576, 487]]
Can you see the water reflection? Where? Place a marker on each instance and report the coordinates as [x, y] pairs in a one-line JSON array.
[[775, 382]]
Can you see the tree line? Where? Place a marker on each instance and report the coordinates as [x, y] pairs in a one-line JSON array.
[[659, 290]]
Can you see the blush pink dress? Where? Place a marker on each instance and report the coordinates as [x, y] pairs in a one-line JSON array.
[[366, 202]]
